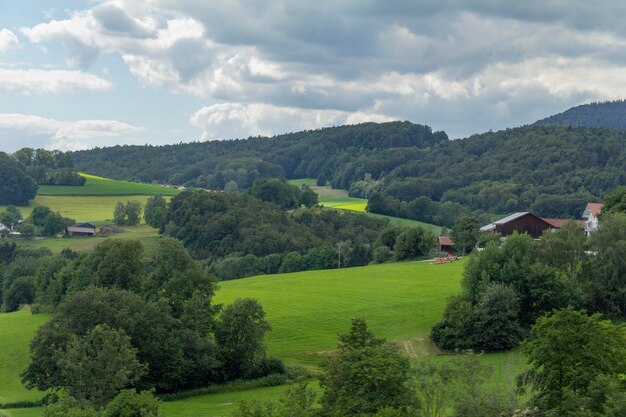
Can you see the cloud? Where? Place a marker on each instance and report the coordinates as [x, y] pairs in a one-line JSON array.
[[21, 130], [30, 81], [8, 40], [234, 120], [459, 65]]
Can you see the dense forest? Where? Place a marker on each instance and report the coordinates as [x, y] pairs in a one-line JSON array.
[[242, 235], [330, 151], [611, 114], [551, 170]]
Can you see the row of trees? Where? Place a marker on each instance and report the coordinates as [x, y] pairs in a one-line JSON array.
[[41, 222], [49, 167], [507, 286]]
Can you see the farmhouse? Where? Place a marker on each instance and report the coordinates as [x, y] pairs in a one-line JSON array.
[[81, 229], [591, 214], [445, 244], [523, 222]]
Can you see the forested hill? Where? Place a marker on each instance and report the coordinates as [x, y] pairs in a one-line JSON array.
[[410, 171], [331, 151], [611, 114], [552, 170]]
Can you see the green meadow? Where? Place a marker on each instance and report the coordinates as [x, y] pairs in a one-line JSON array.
[[339, 199], [16, 331], [105, 186], [307, 310], [148, 237]]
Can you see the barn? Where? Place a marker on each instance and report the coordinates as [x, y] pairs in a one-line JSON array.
[[524, 222], [445, 244], [81, 229]]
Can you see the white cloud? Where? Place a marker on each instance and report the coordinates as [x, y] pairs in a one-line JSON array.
[[461, 66], [8, 40], [29, 81], [56, 134], [234, 120]]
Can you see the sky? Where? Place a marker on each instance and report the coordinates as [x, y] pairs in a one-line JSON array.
[[83, 74]]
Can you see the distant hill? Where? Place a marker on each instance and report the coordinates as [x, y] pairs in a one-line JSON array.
[[306, 154], [610, 114], [413, 172]]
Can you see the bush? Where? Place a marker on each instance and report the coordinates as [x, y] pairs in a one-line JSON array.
[[382, 254], [21, 291], [129, 403], [269, 366], [413, 243]]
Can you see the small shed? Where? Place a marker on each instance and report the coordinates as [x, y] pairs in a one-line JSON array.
[[81, 229], [445, 244], [524, 222]]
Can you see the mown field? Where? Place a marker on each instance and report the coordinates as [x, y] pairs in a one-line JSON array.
[[148, 237], [95, 203], [339, 199]]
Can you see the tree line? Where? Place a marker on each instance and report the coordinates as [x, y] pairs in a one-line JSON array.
[[49, 167]]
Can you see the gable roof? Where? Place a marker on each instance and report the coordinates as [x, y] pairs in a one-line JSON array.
[[592, 208], [446, 241], [510, 218], [84, 225]]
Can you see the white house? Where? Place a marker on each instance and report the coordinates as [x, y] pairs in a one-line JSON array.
[[591, 213]]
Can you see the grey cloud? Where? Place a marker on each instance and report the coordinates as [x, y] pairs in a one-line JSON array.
[[116, 20]]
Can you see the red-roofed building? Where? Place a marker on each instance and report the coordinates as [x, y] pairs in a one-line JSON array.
[[591, 214], [558, 223], [445, 244]]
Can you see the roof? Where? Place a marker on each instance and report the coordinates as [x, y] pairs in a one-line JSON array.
[[592, 208], [511, 217], [445, 241], [508, 219], [558, 223], [84, 225]]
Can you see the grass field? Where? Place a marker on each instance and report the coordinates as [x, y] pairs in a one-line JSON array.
[[307, 310], [16, 331], [104, 186], [304, 181], [94, 209], [148, 237], [339, 199]]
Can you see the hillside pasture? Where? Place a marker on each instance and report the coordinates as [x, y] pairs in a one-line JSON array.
[[307, 310], [339, 199], [16, 331], [148, 237], [105, 186]]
